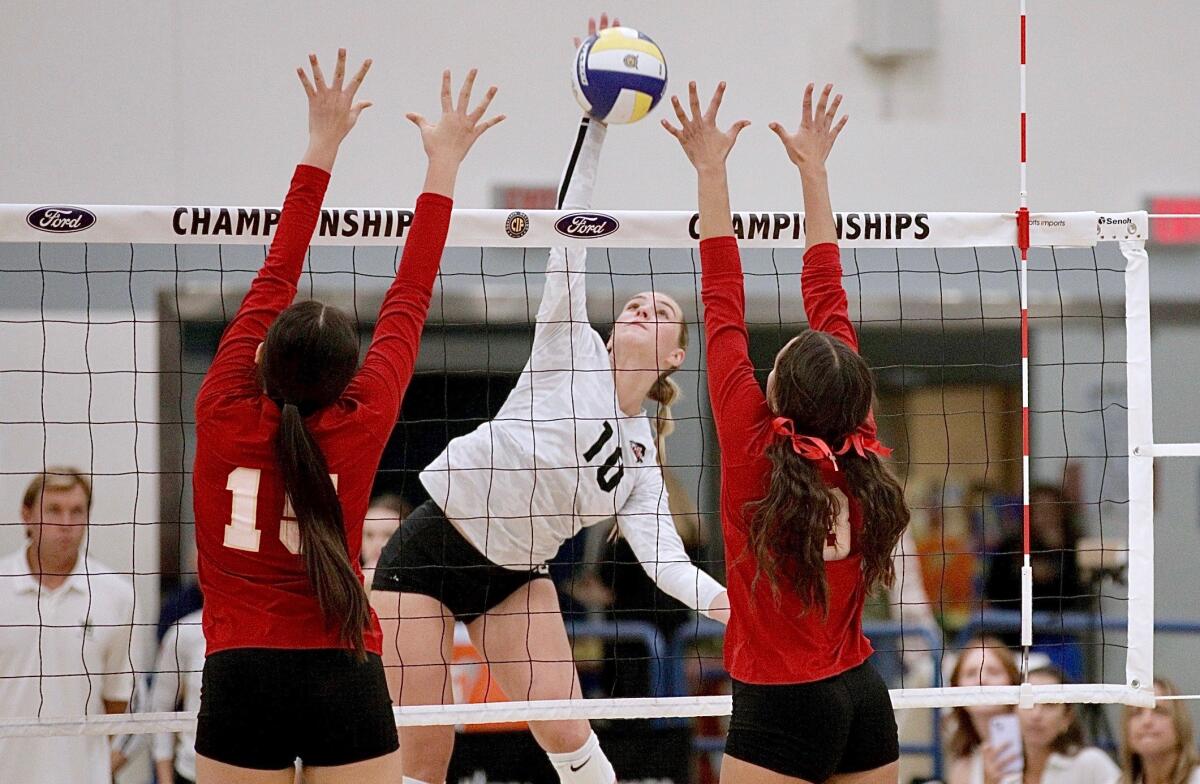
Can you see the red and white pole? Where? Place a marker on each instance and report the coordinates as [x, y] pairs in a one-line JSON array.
[[1023, 245]]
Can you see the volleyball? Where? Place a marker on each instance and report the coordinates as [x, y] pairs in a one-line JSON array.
[[619, 75]]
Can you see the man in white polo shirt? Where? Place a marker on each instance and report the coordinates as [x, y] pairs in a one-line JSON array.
[[65, 624]]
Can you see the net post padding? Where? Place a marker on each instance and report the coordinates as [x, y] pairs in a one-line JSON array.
[[1139, 658], [623, 708]]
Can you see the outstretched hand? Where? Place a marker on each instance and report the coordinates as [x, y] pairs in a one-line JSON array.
[[332, 111], [809, 146], [593, 28], [451, 138], [706, 145]]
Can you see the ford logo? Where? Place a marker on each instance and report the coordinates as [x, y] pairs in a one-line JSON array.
[[61, 220], [586, 225]]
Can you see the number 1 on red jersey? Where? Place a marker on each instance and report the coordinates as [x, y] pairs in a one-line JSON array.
[[242, 532]]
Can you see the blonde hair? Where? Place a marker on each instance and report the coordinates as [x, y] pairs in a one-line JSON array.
[[1133, 770], [666, 393], [56, 478]]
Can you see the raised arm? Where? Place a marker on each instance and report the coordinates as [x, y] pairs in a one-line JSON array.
[[564, 298], [393, 353], [737, 399], [332, 113], [825, 302]]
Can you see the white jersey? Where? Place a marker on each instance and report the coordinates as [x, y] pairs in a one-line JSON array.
[[560, 454]]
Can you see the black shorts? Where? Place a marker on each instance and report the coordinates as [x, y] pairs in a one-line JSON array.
[[843, 724], [262, 708], [427, 555]]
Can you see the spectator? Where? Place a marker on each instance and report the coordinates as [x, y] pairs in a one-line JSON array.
[[177, 687], [984, 661], [1054, 537], [1053, 739], [1158, 745], [384, 516], [65, 625]]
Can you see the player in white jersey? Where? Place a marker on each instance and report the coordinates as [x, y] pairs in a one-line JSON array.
[[571, 447]]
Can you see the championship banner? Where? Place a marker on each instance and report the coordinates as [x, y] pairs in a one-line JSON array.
[[553, 228]]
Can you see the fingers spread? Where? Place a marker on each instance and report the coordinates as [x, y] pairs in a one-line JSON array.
[[357, 81], [339, 70], [694, 101], [308, 88], [447, 107], [464, 95], [678, 107], [483, 105], [318, 77], [822, 102], [833, 107], [841, 124], [671, 129], [499, 118], [715, 103]]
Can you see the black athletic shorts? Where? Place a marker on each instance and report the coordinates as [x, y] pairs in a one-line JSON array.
[[427, 555], [811, 731], [262, 708]]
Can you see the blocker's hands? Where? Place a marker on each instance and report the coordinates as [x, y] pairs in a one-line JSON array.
[[451, 138], [706, 145]]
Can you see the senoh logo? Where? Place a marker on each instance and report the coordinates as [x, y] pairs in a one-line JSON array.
[[517, 225], [60, 220], [586, 225]]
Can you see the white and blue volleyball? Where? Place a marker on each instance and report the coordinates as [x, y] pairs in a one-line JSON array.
[[619, 76]]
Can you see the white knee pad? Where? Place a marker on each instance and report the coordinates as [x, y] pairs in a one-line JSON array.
[[586, 765]]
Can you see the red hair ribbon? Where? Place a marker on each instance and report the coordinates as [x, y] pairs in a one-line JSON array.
[[808, 447], [862, 444]]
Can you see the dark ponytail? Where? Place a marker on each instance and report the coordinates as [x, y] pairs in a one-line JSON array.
[[322, 529], [884, 512], [309, 357], [825, 388]]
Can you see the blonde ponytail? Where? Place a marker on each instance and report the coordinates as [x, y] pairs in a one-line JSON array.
[[664, 392]]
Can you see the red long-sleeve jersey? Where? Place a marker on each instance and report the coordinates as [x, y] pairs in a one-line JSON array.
[[773, 641], [256, 590]]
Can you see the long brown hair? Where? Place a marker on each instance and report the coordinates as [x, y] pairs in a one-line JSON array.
[[825, 388], [963, 738], [309, 356], [1133, 768]]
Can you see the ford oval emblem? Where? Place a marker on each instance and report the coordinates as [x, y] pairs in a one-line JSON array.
[[61, 220], [586, 225]]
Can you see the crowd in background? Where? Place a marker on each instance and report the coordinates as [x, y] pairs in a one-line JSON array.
[[51, 580]]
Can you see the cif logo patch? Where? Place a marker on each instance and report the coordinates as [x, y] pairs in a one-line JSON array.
[[517, 225], [586, 225], [60, 220], [639, 451], [631, 61]]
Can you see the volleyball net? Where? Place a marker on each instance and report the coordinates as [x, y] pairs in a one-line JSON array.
[[109, 317]]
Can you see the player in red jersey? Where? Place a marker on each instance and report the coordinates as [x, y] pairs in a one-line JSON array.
[[810, 515], [289, 436]]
